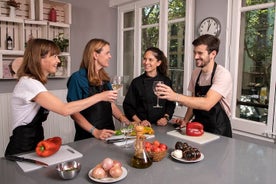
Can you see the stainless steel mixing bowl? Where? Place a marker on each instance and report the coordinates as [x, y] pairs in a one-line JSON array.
[[68, 170]]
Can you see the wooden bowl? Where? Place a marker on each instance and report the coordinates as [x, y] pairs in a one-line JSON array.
[[157, 156]]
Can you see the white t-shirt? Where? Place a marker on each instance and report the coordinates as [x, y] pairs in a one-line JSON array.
[[222, 83], [23, 109]]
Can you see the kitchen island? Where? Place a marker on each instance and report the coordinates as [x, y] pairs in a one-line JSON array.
[[226, 161]]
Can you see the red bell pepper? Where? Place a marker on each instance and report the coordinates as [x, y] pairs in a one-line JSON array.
[[48, 147], [194, 129]]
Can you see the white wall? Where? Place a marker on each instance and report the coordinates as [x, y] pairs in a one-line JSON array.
[[217, 9], [92, 19]]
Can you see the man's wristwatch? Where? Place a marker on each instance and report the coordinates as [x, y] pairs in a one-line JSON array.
[[167, 117]]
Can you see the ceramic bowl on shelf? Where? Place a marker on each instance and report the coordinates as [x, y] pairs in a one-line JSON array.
[[68, 170]]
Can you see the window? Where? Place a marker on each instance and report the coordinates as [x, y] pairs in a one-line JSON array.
[[176, 32], [128, 50], [155, 23], [254, 50], [150, 26]]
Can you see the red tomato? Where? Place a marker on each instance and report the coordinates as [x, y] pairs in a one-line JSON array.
[[163, 146], [156, 149], [147, 145], [156, 143], [148, 149]]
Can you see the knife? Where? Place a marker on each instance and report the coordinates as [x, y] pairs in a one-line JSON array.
[[110, 141], [22, 159], [181, 130]]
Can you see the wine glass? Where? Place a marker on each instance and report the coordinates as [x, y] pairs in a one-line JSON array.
[[117, 82], [154, 85], [126, 130]]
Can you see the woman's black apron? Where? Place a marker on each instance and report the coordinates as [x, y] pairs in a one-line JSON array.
[[150, 99], [99, 114], [25, 137], [216, 120]]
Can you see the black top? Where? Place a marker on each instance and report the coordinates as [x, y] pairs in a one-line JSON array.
[[140, 99]]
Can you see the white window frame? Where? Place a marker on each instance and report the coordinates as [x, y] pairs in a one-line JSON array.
[[163, 29], [243, 126]]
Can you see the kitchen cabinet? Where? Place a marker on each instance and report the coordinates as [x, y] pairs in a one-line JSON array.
[[31, 20]]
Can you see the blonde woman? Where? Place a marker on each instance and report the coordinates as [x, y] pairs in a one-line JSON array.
[[91, 79]]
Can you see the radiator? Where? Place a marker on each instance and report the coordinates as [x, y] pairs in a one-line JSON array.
[[56, 125]]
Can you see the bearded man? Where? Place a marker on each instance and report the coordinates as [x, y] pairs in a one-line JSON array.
[[211, 88]]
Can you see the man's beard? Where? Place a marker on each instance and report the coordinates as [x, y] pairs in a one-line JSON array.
[[203, 63]]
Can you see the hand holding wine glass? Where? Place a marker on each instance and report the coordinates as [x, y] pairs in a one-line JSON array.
[[154, 85]]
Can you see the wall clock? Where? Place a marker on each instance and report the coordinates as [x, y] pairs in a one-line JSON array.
[[209, 25]]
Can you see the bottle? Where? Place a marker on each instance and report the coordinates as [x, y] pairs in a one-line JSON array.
[[9, 43], [141, 159], [53, 15], [263, 95]]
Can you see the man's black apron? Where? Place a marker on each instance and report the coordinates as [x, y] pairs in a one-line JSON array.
[[25, 137], [99, 114], [216, 120]]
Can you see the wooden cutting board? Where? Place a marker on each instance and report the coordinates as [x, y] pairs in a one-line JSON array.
[[65, 153], [205, 138]]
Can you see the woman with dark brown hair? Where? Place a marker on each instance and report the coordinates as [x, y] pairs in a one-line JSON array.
[[91, 79], [140, 100]]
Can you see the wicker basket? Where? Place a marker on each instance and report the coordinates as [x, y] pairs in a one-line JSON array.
[[156, 157]]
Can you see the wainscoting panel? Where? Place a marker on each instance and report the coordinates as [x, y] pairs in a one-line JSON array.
[[56, 125], [5, 119]]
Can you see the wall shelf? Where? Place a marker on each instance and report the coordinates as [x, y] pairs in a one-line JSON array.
[[25, 11], [63, 10], [32, 21]]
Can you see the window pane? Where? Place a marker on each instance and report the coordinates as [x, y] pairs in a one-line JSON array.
[[176, 54], [128, 58], [177, 79], [257, 33], [150, 38], [128, 19], [255, 2], [176, 9], [150, 14]]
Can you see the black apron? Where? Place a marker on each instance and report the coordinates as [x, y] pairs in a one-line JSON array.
[[26, 137], [216, 120], [150, 99], [99, 114]]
